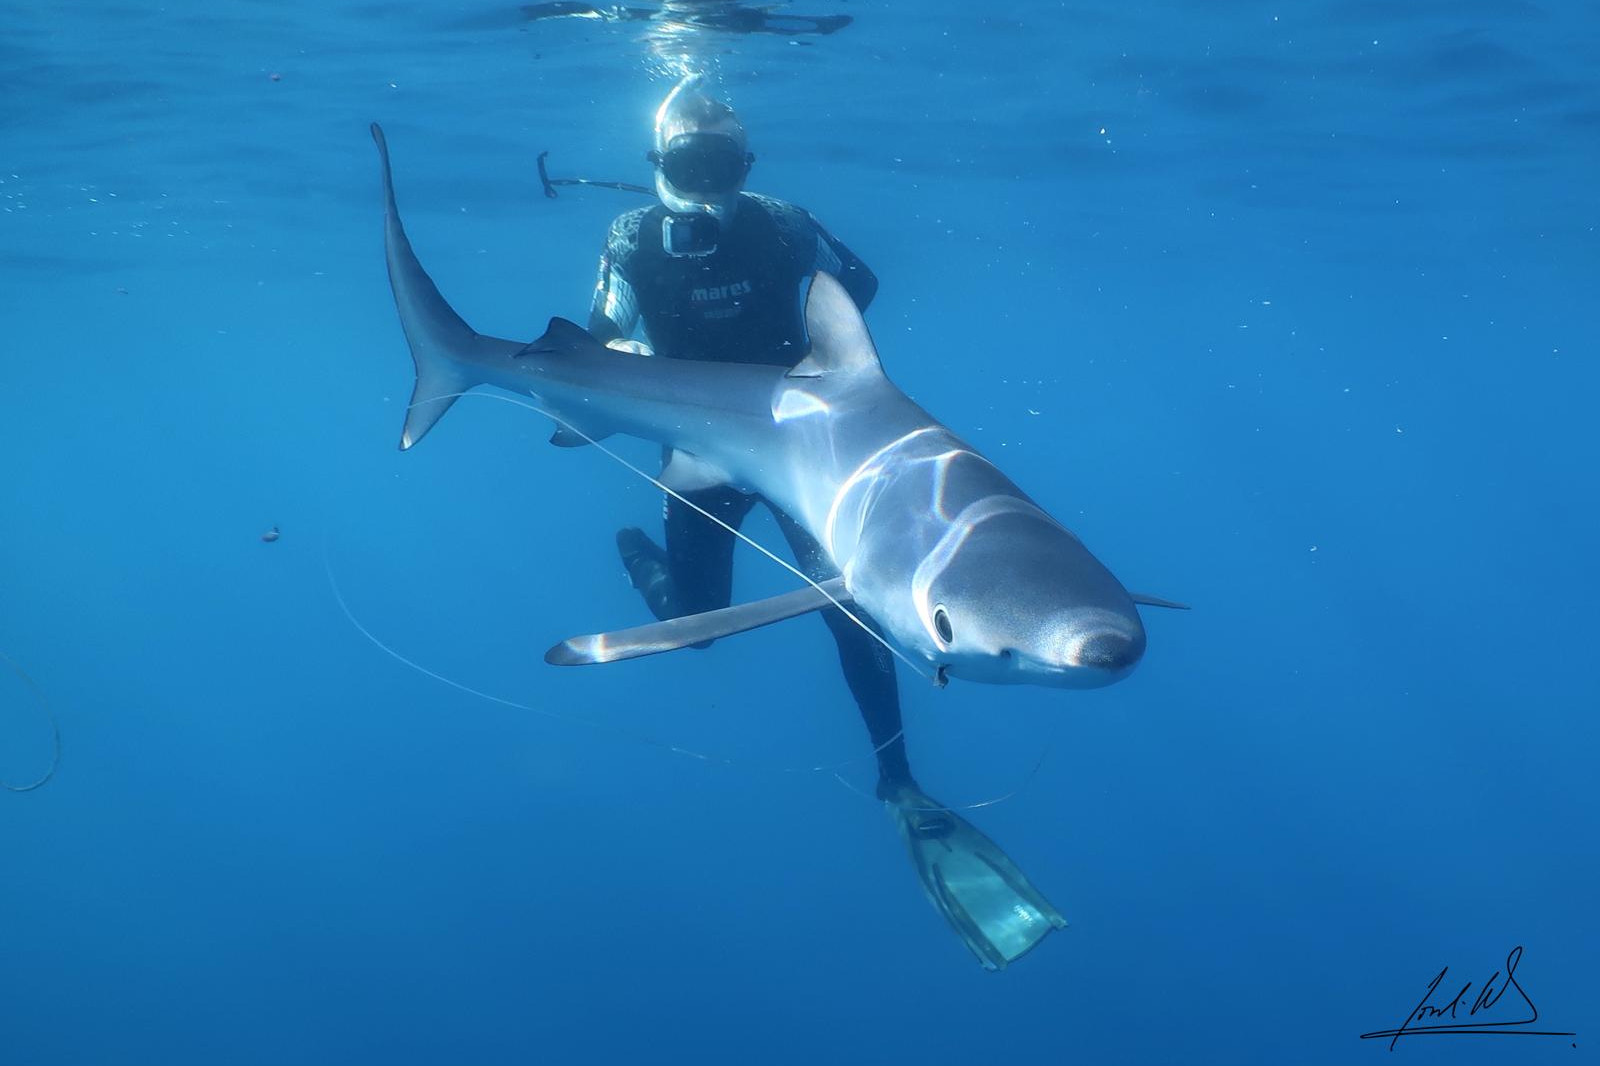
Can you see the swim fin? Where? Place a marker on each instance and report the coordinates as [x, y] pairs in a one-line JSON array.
[[990, 904], [646, 564]]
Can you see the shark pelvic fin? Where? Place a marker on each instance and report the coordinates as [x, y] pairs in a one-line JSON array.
[[839, 339], [566, 438], [678, 633], [570, 434]]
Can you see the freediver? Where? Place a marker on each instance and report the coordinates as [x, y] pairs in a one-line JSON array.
[[718, 15], [715, 273]]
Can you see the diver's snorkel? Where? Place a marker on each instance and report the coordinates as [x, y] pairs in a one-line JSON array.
[[701, 163], [550, 183], [693, 233]]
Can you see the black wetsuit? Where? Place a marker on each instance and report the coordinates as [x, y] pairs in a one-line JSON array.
[[739, 304]]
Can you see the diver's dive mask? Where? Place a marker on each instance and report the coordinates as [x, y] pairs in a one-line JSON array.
[[709, 165]]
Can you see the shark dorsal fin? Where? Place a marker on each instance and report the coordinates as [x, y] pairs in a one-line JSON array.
[[840, 342]]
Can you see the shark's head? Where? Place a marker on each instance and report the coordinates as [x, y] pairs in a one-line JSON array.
[[936, 544], [1010, 596]]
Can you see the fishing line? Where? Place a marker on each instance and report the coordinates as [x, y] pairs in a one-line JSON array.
[[992, 802], [636, 737], [517, 401], [633, 736], [646, 739], [55, 730], [915, 667]]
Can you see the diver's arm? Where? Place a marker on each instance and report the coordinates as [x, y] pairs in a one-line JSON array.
[[602, 328], [827, 253], [614, 311], [856, 277]]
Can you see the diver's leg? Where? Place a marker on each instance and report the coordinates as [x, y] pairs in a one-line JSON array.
[[988, 902], [868, 665], [699, 551], [694, 573]]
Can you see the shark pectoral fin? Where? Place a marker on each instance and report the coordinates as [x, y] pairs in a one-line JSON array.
[[678, 633], [1156, 601]]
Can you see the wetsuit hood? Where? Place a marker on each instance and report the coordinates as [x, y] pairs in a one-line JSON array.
[[701, 154]]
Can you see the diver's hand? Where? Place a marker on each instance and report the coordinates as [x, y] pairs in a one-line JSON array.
[[631, 347]]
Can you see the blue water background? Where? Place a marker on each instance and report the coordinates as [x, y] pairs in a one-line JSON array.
[[1288, 310]]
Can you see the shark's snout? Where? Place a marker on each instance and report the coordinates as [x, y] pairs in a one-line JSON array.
[[1109, 650], [1098, 647]]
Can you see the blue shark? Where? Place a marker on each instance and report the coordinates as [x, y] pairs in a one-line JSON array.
[[955, 567]]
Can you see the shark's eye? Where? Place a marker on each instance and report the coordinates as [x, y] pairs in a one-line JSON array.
[[941, 625]]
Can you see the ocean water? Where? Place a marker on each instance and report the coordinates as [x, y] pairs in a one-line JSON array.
[[1290, 311]]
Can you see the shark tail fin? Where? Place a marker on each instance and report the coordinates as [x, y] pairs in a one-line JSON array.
[[437, 335], [438, 386]]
